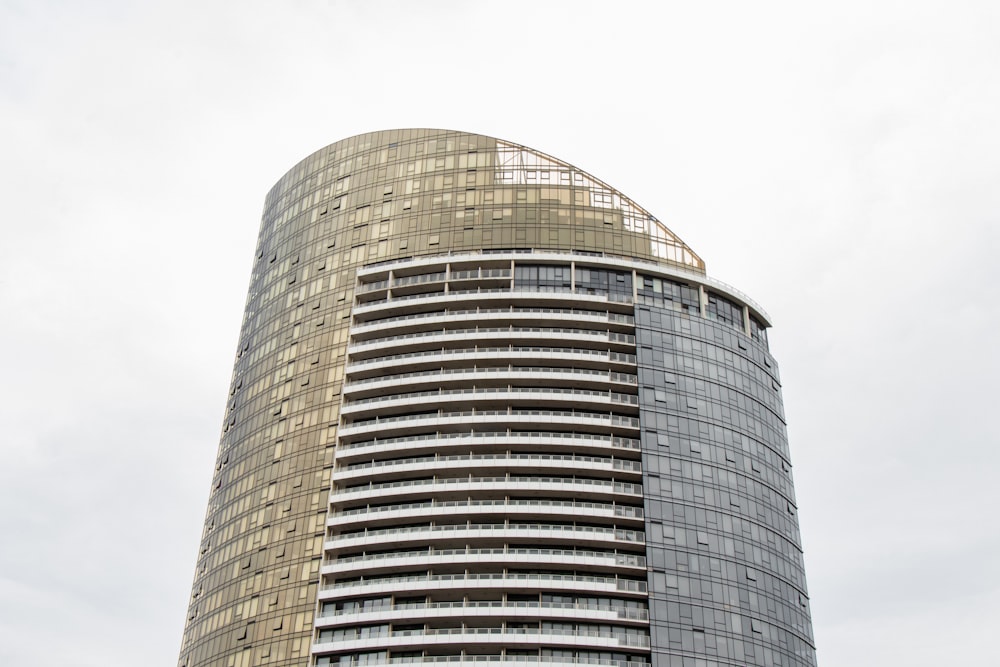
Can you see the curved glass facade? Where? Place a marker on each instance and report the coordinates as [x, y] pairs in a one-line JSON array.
[[485, 408]]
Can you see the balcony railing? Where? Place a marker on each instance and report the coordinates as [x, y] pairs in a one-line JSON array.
[[594, 485], [635, 536], [616, 464], [629, 560], [612, 441], [622, 612], [624, 511], [619, 584]]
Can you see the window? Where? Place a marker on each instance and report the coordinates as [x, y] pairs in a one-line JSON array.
[[542, 278], [723, 310]]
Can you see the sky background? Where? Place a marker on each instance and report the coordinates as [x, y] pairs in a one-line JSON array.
[[838, 163]]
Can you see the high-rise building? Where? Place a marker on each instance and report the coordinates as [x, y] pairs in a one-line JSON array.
[[487, 409]]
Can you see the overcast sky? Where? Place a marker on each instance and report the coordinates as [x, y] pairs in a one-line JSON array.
[[840, 165]]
